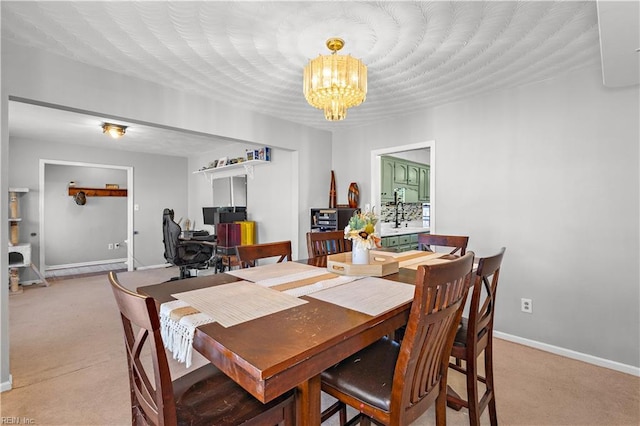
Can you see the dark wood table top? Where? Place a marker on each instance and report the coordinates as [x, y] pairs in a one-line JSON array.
[[289, 349]]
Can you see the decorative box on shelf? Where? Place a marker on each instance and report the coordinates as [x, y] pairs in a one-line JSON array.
[[378, 266]]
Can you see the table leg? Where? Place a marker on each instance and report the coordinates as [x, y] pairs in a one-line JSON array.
[[308, 402]]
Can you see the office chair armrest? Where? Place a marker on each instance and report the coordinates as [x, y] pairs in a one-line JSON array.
[[196, 243], [208, 238]]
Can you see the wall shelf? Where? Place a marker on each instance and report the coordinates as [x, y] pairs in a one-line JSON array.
[[98, 192], [237, 169]]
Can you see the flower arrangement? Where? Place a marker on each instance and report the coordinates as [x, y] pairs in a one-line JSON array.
[[361, 230]]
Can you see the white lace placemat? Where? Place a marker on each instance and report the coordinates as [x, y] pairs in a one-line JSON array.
[[238, 302], [369, 295]]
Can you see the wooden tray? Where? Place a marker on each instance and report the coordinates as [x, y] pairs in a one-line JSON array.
[[378, 266]]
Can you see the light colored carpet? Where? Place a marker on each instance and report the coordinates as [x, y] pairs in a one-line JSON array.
[[69, 368]]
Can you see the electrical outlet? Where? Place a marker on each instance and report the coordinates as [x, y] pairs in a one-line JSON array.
[[526, 306], [110, 246], [116, 245]]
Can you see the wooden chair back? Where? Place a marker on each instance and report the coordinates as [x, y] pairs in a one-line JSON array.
[[483, 300], [420, 375], [474, 337], [141, 326], [428, 242], [326, 243], [247, 255]]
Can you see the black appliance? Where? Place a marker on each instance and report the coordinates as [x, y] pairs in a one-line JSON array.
[[215, 215], [323, 220]]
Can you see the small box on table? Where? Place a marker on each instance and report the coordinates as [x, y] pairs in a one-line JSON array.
[[378, 265]]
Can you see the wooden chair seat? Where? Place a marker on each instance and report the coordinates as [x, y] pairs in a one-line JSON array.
[[460, 341], [208, 397], [354, 374]]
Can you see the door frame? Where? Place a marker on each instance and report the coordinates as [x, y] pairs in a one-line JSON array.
[[375, 174], [41, 210]]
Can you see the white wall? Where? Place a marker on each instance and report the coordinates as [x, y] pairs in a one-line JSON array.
[[37, 75], [150, 172], [81, 234], [272, 199], [550, 171]]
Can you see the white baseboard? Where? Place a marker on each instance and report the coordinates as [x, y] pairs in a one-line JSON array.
[[6, 386], [82, 264], [568, 353], [163, 265]]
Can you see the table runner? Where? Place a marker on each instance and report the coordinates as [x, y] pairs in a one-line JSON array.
[[427, 259], [178, 323], [272, 270], [370, 295]]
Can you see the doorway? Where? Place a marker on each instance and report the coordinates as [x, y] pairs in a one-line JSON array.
[[376, 155], [89, 232]]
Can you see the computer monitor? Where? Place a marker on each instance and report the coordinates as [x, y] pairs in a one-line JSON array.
[[216, 215]]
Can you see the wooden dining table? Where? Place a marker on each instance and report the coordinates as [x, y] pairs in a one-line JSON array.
[[286, 350]]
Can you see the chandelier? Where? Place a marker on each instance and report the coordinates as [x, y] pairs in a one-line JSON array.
[[334, 83], [114, 130]]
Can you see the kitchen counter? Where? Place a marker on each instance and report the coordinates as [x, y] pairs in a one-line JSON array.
[[404, 230]]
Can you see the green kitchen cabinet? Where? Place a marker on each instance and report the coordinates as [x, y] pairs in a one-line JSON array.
[[389, 241], [400, 173], [401, 242], [424, 178], [413, 174], [386, 177]]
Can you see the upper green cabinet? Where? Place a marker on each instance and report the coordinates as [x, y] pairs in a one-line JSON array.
[[413, 173], [386, 176], [399, 173], [424, 183]]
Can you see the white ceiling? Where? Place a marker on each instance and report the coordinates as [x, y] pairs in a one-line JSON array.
[[251, 54]]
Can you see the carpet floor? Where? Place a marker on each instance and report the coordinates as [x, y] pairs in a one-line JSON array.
[[68, 366]]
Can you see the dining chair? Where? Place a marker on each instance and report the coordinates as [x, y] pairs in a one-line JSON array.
[[474, 336], [205, 396], [392, 383], [428, 242], [248, 254], [325, 243]]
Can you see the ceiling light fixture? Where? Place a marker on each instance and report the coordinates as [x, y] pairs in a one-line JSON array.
[[334, 82], [114, 130]]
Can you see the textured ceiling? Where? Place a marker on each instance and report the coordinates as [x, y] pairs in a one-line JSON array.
[[252, 54]]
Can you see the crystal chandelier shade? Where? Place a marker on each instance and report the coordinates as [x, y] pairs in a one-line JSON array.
[[334, 82]]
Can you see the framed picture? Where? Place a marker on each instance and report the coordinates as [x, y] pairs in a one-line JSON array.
[[222, 162]]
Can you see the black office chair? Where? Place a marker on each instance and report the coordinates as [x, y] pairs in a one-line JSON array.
[[194, 253]]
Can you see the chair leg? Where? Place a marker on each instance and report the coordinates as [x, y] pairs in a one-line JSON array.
[[337, 407], [454, 400], [365, 421], [472, 392], [488, 366], [441, 404]]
